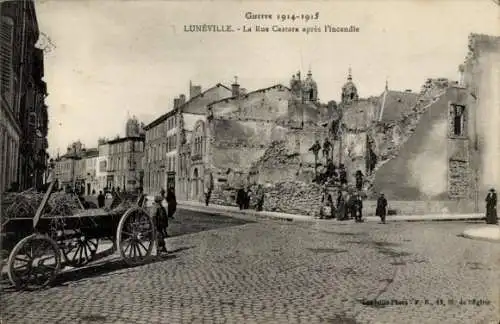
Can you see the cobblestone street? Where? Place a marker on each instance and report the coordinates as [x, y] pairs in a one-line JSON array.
[[226, 270]]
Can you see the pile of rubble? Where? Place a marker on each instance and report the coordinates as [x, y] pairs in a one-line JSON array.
[[277, 155], [293, 198]]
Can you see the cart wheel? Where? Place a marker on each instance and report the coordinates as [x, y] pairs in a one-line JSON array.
[[34, 262], [135, 236], [80, 250]]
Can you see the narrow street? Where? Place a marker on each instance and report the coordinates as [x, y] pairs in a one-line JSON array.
[[226, 270]]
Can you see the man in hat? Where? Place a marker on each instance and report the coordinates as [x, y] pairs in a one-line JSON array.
[[491, 207], [160, 220]]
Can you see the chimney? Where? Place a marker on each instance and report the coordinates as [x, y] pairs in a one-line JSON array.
[[176, 103], [235, 87], [243, 91], [194, 90], [182, 99]]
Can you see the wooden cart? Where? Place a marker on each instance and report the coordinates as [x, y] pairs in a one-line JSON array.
[[59, 241]]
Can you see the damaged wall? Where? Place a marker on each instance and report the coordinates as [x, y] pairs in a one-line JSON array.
[[419, 169]]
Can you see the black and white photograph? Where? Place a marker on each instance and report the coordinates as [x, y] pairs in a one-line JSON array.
[[217, 161]]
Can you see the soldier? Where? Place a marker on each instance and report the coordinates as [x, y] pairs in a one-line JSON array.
[[491, 207]]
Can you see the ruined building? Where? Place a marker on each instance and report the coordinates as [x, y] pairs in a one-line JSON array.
[[449, 142], [233, 138]]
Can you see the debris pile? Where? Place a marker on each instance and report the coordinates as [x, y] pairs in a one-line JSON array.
[[293, 198]]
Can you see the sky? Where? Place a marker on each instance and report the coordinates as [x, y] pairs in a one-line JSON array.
[[112, 59]]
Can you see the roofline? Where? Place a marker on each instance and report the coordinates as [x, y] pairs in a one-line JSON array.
[[250, 93], [160, 119], [170, 113], [203, 93], [124, 139]]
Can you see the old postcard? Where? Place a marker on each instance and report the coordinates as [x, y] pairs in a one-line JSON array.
[[249, 161]]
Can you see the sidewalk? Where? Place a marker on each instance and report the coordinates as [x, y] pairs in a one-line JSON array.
[[487, 233], [234, 211]]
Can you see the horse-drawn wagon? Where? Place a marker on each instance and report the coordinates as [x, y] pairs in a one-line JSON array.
[[43, 244]]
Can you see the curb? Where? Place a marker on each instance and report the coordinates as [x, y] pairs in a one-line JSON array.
[[478, 234], [479, 238], [301, 218]]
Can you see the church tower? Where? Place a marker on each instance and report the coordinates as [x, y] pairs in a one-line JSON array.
[[349, 90], [309, 89], [296, 84]]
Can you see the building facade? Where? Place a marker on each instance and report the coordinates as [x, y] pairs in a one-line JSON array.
[[123, 164], [161, 152], [24, 122], [161, 160], [102, 168], [86, 172], [191, 117]]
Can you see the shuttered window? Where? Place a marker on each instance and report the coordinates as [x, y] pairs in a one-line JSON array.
[[6, 44]]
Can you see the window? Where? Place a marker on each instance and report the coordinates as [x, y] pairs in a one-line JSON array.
[[6, 45], [458, 120]]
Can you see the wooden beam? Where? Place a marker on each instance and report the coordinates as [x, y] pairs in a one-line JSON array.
[[45, 199]]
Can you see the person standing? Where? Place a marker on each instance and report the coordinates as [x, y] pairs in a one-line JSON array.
[[101, 200], [358, 206], [351, 206], [171, 203], [359, 180], [342, 175], [381, 210], [209, 186], [160, 221], [260, 198], [341, 207], [491, 207], [240, 198]]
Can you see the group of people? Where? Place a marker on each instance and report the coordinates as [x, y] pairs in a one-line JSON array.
[[349, 206], [245, 195]]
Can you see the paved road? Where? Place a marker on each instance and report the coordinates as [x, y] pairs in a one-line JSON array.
[[231, 271]]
